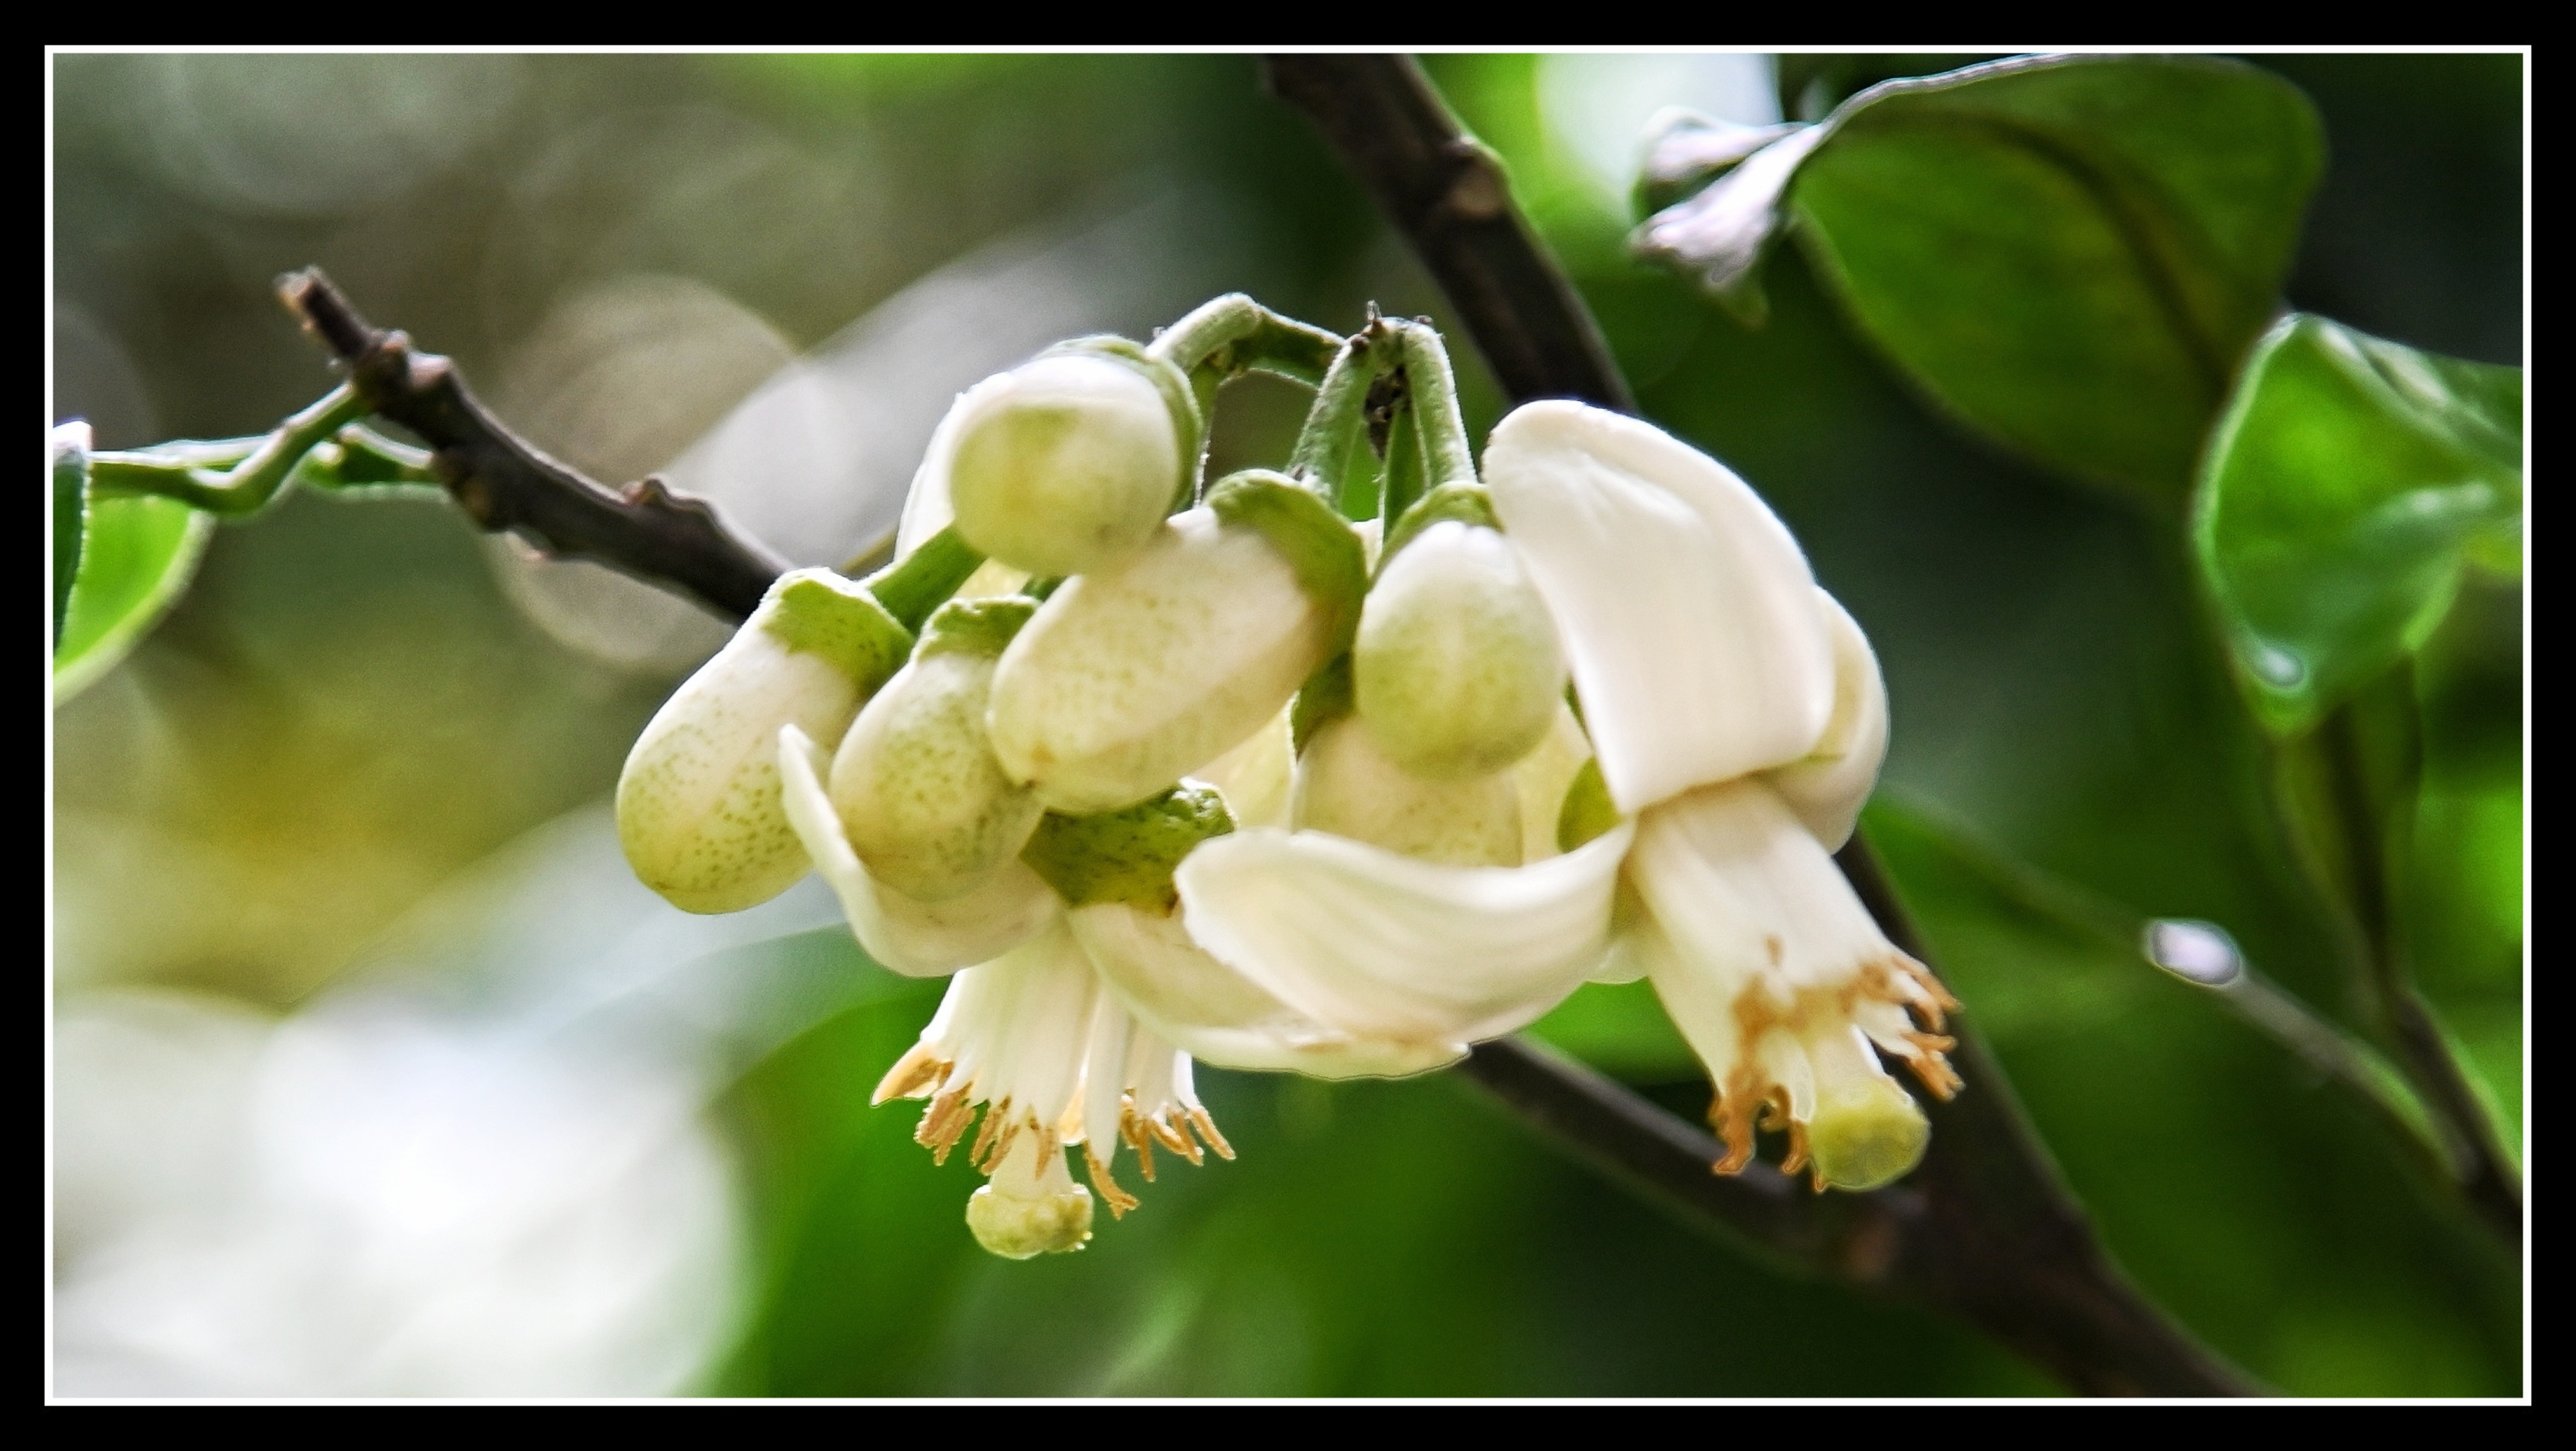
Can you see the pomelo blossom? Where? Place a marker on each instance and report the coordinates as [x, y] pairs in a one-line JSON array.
[[1737, 719]]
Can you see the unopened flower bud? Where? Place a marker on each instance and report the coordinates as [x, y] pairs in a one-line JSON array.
[[921, 797], [1032, 1206], [1133, 676], [698, 808], [1348, 786], [1066, 464], [1456, 666]]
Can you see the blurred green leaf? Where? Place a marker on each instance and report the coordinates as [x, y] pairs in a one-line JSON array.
[[71, 493], [2347, 485], [137, 557], [2068, 253]]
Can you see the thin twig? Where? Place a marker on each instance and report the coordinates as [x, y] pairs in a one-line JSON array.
[[1447, 194], [502, 482], [1984, 1229]]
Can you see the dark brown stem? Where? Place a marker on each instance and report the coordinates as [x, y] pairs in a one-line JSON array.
[[1985, 1229], [502, 482], [1447, 194]]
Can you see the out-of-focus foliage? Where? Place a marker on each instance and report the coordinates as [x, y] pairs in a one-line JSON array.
[[629, 256]]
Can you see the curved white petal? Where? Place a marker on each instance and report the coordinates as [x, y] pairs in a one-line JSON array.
[[1737, 883], [1776, 974], [1383, 946], [1014, 1030], [1686, 609], [1828, 788], [1213, 1013], [918, 939]]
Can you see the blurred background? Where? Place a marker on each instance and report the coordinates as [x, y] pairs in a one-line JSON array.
[[376, 1073]]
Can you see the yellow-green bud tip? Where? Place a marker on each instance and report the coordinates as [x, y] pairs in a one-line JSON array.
[[1019, 1228], [1868, 1140]]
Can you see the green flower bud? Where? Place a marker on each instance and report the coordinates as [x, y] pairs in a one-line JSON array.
[[1067, 463], [1348, 786], [698, 808], [1456, 667], [921, 797], [1131, 677]]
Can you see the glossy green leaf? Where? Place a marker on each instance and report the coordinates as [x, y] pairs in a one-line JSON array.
[[2349, 481], [137, 556], [2068, 253]]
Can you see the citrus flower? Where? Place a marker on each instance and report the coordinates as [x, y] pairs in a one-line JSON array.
[[1737, 721], [1738, 716]]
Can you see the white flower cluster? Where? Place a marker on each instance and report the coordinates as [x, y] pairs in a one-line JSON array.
[[1234, 784]]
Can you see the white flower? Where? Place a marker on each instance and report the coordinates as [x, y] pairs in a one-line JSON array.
[[1737, 722], [1739, 717]]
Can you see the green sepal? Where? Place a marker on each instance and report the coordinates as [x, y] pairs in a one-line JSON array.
[[976, 627], [1465, 503], [1314, 538], [1588, 811], [820, 613], [1327, 696], [71, 518], [1129, 855], [1189, 422]]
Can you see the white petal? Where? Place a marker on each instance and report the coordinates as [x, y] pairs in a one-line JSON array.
[[1686, 609], [1151, 965], [1738, 884], [918, 939], [1383, 946], [1828, 788], [1018, 1028]]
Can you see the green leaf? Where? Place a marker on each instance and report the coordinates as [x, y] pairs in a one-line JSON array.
[[137, 556], [71, 492], [2068, 253], [2344, 489]]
